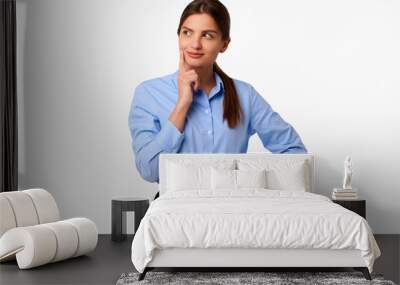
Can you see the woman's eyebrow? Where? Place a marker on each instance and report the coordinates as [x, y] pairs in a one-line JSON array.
[[210, 31]]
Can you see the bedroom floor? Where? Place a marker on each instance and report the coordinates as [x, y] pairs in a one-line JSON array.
[[111, 259]]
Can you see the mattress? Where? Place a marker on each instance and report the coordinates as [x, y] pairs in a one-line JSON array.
[[250, 219]]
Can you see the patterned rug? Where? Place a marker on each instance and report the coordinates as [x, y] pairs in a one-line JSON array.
[[270, 278]]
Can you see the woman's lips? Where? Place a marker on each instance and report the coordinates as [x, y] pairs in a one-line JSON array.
[[194, 55]]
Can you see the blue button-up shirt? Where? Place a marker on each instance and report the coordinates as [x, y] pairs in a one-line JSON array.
[[205, 131]]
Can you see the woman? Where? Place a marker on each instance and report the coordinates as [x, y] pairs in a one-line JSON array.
[[198, 108]]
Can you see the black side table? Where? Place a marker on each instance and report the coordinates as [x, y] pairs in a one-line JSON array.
[[119, 207], [357, 206]]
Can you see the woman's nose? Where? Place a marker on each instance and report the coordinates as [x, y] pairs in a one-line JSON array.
[[196, 43]]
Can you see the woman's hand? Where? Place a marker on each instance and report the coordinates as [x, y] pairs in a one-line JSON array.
[[186, 78]]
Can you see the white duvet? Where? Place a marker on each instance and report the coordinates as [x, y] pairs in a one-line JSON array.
[[251, 218]]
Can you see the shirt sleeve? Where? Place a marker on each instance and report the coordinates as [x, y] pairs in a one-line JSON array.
[[148, 138], [276, 134]]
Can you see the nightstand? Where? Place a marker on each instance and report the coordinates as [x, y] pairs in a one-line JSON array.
[[119, 207], [357, 206]]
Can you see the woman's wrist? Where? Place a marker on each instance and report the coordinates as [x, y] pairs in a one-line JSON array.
[[182, 106], [178, 116]]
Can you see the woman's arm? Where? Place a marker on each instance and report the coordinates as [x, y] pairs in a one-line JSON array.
[[178, 116], [148, 138], [275, 133]]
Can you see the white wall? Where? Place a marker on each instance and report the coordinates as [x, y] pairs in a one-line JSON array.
[[330, 68]]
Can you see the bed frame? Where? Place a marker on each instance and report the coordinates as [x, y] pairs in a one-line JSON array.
[[248, 259]]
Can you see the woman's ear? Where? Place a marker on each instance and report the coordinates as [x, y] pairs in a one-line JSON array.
[[225, 46]]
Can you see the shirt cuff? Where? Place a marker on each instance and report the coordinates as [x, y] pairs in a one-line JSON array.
[[299, 150], [169, 137]]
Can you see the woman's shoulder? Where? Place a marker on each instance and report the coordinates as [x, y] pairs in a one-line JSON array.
[[161, 80], [241, 83], [154, 90], [243, 87]]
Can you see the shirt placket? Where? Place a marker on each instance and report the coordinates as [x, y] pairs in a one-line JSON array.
[[208, 131]]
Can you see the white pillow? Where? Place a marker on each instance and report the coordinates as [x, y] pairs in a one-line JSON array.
[[281, 174], [185, 175], [223, 179], [228, 179], [251, 178]]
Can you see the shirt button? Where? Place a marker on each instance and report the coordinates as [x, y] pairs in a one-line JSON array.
[[209, 132], [207, 111]]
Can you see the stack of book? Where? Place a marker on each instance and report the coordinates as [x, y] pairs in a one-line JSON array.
[[344, 194]]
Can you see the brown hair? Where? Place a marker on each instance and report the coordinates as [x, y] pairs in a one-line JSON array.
[[232, 110]]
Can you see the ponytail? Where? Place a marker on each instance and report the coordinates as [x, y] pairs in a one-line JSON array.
[[232, 111]]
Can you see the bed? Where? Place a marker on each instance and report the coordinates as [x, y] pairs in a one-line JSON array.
[[244, 211]]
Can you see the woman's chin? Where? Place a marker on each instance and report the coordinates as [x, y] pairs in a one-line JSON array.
[[195, 63]]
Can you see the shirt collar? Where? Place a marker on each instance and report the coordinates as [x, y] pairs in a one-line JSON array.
[[219, 83]]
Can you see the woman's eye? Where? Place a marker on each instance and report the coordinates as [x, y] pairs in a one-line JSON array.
[[188, 32]]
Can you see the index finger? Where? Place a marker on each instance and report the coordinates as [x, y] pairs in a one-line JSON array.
[[182, 61]]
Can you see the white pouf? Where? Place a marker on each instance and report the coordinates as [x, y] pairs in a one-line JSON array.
[[32, 233]]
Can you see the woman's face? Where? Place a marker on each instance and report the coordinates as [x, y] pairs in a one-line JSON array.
[[200, 34]]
